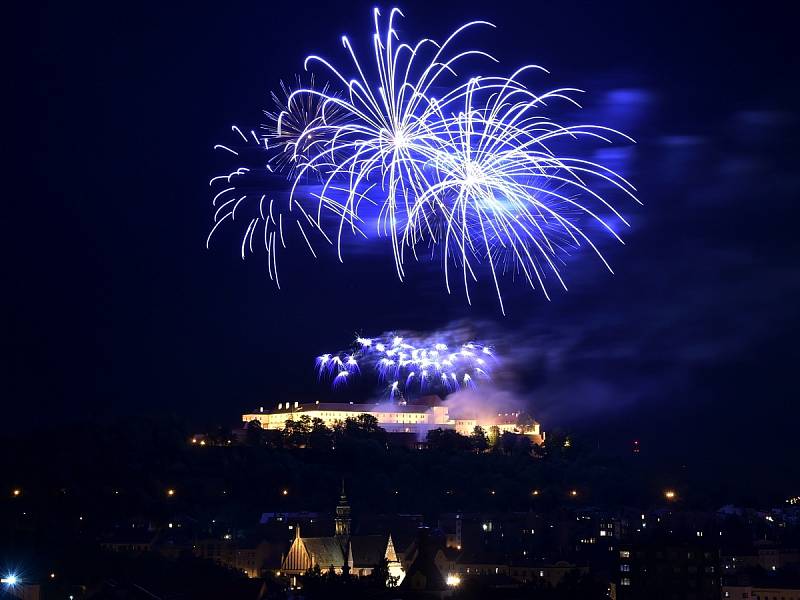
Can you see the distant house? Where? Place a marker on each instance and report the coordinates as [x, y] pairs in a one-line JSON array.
[[751, 592], [134, 540], [249, 555], [423, 575]]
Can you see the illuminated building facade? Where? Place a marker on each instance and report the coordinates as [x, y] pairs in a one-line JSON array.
[[394, 418], [355, 554]]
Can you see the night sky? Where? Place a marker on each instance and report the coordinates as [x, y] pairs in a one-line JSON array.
[[113, 306]]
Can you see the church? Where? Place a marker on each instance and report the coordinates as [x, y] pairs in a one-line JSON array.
[[342, 552]]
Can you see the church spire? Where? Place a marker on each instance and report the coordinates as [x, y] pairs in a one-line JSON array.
[[343, 515]]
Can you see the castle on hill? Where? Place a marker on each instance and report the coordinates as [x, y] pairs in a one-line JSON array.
[[425, 414]]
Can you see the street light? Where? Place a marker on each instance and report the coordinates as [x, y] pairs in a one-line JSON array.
[[10, 580]]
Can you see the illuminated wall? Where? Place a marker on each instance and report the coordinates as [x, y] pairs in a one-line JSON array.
[[418, 419]]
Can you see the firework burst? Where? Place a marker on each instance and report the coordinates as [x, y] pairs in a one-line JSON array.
[[385, 127], [500, 196], [406, 365], [476, 177], [290, 121]]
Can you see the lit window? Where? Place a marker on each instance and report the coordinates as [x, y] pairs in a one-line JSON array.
[[624, 554], [625, 568], [625, 581]]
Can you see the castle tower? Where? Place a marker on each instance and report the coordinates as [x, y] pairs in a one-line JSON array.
[[343, 516]]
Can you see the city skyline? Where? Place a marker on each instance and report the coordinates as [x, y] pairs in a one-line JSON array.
[[579, 383]]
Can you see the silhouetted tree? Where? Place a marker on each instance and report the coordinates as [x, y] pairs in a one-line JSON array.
[[494, 437], [296, 431], [556, 445], [254, 433], [523, 445], [478, 439], [222, 436], [362, 427], [507, 442], [525, 422], [273, 438], [320, 437], [448, 440], [380, 577]]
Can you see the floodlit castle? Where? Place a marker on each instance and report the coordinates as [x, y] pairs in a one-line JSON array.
[[427, 414]]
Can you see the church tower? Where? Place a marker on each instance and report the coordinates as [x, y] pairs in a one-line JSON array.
[[343, 516]]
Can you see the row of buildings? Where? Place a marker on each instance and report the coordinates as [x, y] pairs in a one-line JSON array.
[[655, 554]]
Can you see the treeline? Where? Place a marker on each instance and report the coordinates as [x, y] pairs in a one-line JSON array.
[[313, 433], [306, 432], [127, 467]]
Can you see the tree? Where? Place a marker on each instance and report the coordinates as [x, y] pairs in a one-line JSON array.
[[369, 424], [321, 436], [523, 445], [448, 440], [494, 436], [478, 439], [313, 582], [556, 445], [273, 438], [295, 432], [223, 436], [254, 433], [507, 442], [362, 427], [525, 422], [380, 577]]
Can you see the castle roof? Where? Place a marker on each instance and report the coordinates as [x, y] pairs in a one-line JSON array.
[[360, 408]]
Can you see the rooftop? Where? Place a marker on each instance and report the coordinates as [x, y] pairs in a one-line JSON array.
[[346, 406]]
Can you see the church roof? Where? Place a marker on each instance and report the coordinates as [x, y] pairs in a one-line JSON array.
[[423, 574], [324, 551], [368, 550]]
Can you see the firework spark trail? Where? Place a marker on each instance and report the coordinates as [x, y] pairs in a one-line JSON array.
[[290, 120], [256, 191], [405, 364], [499, 187], [386, 136], [475, 176]]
